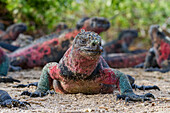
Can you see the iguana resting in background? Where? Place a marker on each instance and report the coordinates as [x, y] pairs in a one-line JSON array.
[[53, 48], [4, 65], [121, 44], [82, 69], [7, 101], [158, 57], [125, 60], [12, 32], [25, 40]]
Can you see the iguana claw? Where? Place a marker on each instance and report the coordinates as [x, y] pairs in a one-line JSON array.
[[133, 97], [157, 69], [14, 103], [34, 94], [37, 93], [145, 87]]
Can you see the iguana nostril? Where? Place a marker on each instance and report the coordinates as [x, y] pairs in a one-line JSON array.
[[93, 44]]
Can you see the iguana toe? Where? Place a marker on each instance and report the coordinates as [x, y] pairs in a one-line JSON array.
[[134, 97], [14, 103]]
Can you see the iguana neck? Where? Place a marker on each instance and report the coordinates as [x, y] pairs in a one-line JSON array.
[[79, 64]]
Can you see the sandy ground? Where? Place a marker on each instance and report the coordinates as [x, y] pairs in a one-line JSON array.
[[92, 103]]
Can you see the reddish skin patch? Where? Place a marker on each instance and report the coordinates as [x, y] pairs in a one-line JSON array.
[[37, 52], [1, 32], [108, 77], [164, 53], [123, 61], [54, 72], [78, 62]]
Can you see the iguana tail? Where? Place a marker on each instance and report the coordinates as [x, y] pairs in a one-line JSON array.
[[125, 60]]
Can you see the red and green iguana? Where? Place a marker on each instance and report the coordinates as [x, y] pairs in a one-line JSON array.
[[158, 57], [82, 69]]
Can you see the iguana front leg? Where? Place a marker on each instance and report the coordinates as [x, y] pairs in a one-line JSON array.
[[119, 79], [4, 66], [4, 70], [45, 82], [150, 60], [134, 86]]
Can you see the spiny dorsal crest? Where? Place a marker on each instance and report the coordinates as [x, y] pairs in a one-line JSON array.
[[88, 35]]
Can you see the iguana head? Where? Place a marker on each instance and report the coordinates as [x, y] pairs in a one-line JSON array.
[[61, 26], [84, 55], [157, 34], [80, 23], [88, 44], [16, 29], [96, 24], [128, 36]]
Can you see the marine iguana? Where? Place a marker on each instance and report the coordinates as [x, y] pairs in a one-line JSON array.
[[82, 69], [158, 57]]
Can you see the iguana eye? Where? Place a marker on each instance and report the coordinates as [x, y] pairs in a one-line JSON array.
[[82, 42]]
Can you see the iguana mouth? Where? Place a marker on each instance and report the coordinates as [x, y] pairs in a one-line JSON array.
[[91, 51]]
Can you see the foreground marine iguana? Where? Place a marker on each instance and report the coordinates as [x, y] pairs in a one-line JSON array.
[[12, 32], [7, 101], [158, 57], [83, 70], [52, 49], [4, 65]]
